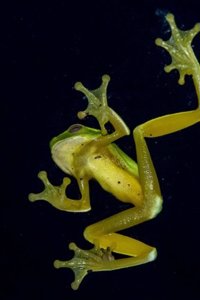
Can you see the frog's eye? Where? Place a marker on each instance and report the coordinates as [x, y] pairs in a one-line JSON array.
[[75, 128]]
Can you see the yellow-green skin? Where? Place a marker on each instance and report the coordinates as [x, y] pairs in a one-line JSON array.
[[88, 153]]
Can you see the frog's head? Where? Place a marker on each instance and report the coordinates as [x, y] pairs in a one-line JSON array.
[[66, 145]]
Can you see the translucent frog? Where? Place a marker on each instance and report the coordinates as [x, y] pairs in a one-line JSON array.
[[89, 153]]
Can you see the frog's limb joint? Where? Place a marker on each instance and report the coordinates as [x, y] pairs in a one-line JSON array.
[[97, 102], [180, 49], [84, 262]]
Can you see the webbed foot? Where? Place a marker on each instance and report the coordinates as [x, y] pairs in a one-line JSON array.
[[50, 193], [56, 196], [84, 262], [180, 48], [97, 102]]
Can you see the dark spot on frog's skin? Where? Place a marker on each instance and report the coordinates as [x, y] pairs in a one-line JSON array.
[[81, 179], [118, 182], [97, 157], [128, 184]]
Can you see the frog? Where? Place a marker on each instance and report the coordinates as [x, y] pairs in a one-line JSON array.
[[87, 153]]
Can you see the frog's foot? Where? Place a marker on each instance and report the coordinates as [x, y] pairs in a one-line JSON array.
[[84, 262], [180, 48], [56, 196], [97, 102]]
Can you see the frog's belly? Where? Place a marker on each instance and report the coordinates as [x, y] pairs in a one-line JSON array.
[[123, 185]]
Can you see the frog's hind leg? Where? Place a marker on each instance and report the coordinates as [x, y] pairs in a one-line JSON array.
[[106, 242], [103, 235]]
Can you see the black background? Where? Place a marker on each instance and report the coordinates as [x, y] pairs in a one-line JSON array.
[[45, 48]]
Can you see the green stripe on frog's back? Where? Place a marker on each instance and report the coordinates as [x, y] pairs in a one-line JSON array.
[[123, 160]]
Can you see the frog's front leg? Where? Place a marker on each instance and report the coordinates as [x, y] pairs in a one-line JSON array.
[[56, 195], [98, 107]]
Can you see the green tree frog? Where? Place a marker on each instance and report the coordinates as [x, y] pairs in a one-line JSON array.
[[88, 153]]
